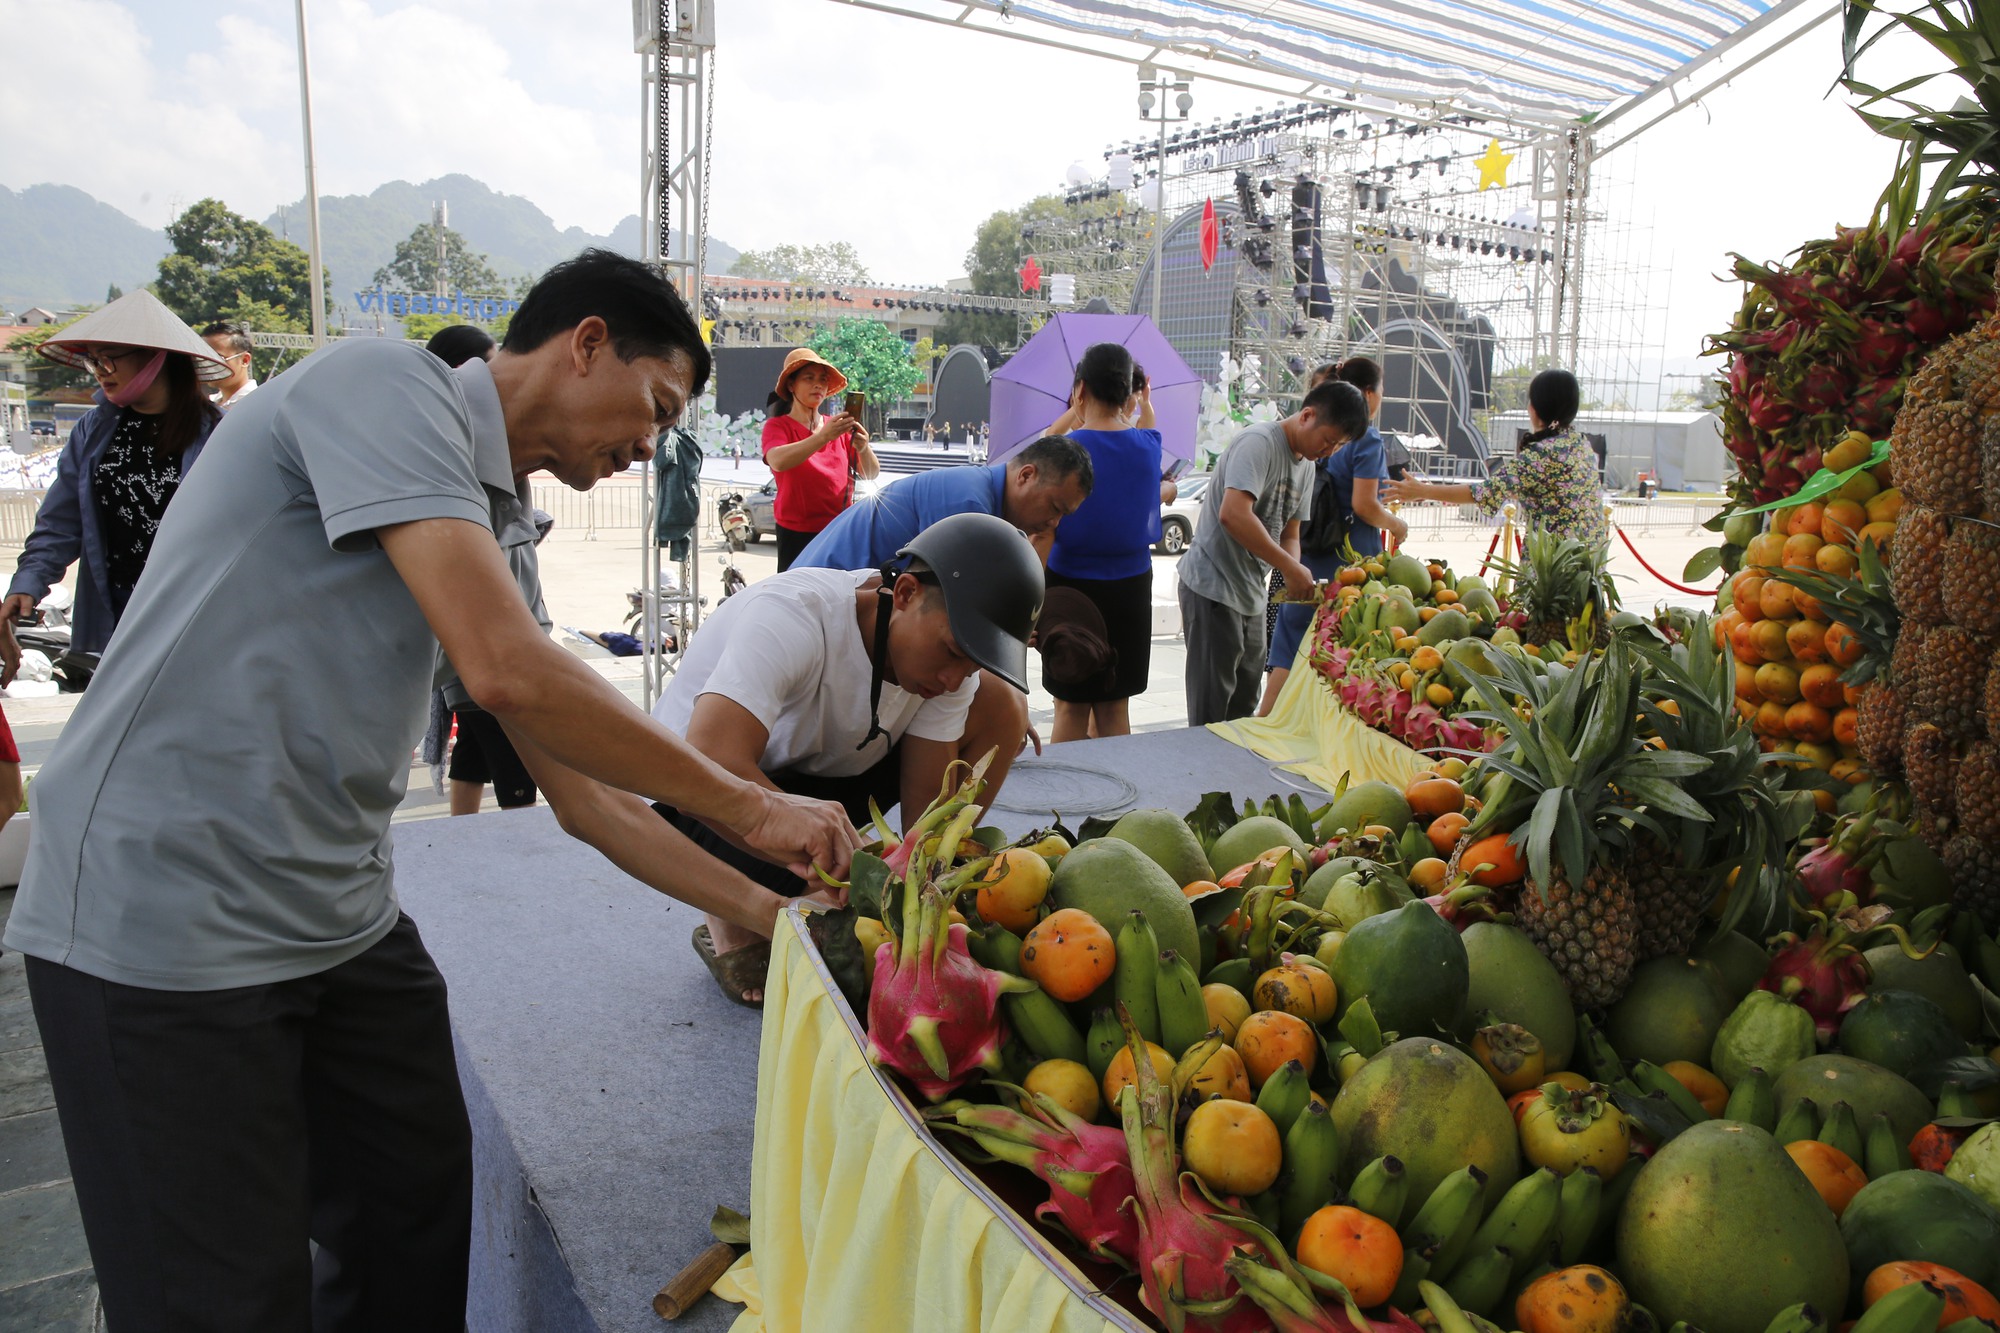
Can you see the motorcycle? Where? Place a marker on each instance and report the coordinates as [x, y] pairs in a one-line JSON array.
[[734, 520]]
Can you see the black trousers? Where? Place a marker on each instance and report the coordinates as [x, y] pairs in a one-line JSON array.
[[790, 543], [213, 1133], [482, 753]]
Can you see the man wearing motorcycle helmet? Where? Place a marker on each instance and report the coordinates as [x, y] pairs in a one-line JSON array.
[[857, 685]]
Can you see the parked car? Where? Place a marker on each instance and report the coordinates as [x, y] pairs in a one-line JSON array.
[[760, 503], [42, 428], [1178, 520]]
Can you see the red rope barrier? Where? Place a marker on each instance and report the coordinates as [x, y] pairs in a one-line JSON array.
[[1677, 587], [1489, 553]]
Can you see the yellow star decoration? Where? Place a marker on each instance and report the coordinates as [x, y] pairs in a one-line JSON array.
[[1493, 166]]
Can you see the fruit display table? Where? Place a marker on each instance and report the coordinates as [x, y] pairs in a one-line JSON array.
[[612, 1089], [1309, 732], [860, 1219]]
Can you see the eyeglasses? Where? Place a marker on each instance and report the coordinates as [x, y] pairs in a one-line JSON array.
[[104, 360]]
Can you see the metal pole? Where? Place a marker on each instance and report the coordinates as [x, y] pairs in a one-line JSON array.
[[1160, 223], [318, 279]]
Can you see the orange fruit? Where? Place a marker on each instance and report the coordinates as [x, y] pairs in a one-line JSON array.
[[1297, 988], [1068, 954], [1360, 1250], [1704, 1087], [1809, 606], [1801, 548], [1745, 594], [1808, 722], [1846, 728], [1882, 534], [1119, 1075], [1743, 642], [1770, 719], [1270, 1037], [1222, 1075], [1838, 561], [1580, 1299], [1832, 1172], [1806, 640], [1805, 519], [1766, 550], [1774, 599], [1226, 1008], [1886, 506], [1496, 851], [1428, 875], [1012, 888], [1963, 1298], [1444, 830], [1431, 796], [1771, 637], [1746, 681], [1820, 684], [1067, 1084], [1843, 645], [1842, 522], [1778, 683]]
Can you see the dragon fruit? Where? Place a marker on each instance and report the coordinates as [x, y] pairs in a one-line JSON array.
[[1842, 862], [1286, 1296], [933, 1015], [1086, 1167], [1186, 1237]]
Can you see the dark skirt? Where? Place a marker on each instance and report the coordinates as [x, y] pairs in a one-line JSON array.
[[1127, 608]]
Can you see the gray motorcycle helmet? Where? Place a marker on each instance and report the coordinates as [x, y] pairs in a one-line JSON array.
[[991, 578]]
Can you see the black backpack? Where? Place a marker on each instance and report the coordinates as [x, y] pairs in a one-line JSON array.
[[1324, 531]]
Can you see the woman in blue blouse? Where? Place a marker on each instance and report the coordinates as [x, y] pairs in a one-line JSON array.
[[1105, 548]]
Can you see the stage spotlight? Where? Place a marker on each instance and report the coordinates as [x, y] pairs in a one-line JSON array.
[[1486, 247], [1443, 162], [1262, 297], [1298, 329], [1301, 293], [1547, 257], [1513, 252], [1296, 364], [1266, 188], [1458, 242], [1409, 233]]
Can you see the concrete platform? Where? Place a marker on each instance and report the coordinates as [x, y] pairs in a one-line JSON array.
[[612, 1088]]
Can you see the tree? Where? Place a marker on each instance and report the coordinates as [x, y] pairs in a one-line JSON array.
[[993, 264], [223, 262], [835, 263], [875, 361], [112, 293], [43, 374], [417, 266]]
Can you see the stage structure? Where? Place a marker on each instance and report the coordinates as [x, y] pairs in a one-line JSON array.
[[675, 42], [1427, 191]]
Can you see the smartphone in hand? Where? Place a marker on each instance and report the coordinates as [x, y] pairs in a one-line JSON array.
[[857, 403]]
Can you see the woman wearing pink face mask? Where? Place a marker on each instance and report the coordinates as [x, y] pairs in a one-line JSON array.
[[122, 464]]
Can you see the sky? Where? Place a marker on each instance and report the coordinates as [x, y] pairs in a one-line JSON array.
[[832, 124]]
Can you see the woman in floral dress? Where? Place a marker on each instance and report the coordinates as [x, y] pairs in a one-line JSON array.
[[1553, 476]]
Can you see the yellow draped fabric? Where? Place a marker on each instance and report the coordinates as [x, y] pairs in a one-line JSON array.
[[1310, 733], [858, 1219]]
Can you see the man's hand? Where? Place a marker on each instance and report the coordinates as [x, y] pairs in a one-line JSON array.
[[1398, 529], [17, 608], [10, 654], [1299, 580], [797, 832], [1033, 738]]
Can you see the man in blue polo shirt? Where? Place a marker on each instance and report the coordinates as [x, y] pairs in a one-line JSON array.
[[1034, 490]]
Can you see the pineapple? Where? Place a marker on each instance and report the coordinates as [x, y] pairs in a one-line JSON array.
[[1949, 685], [1671, 901], [1976, 794], [1915, 562], [1903, 659], [1976, 377], [1989, 451], [1555, 581], [1938, 453], [1993, 697], [1580, 904], [1878, 730], [1974, 864], [1930, 762], [1970, 582]]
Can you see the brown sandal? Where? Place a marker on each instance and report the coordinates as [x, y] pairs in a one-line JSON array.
[[738, 970]]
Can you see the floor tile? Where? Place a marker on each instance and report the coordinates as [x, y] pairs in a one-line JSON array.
[[31, 1151], [41, 1235], [66, 1304], [24, 1082]]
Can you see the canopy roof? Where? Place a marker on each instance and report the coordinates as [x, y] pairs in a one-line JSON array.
[[1529, 62]]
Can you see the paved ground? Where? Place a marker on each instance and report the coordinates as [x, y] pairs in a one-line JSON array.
[[589, 563]]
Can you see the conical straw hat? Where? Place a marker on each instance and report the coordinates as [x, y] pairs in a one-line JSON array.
[[137, 319]]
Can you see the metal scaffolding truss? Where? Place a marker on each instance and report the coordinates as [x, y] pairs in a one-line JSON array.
[[675, 41]]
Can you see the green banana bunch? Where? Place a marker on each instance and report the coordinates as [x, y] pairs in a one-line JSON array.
[[1450, 1315], [1885, 1150], [1312, 1165], [1455, 1241], [1381, 1189], [1132, 974], [1523, 1222], [1800, 1318], [1801, 1122], [1104, 1040], [1653, 1079], [1600, 1060], [1284, 1095], [1579, 1212], [1908, 1309], [1183, 1013], [1753, 1101], [1842, 1131], [1480, 1282], [1234, 973]]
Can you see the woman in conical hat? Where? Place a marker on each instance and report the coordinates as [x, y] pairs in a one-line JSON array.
[[122, 464]]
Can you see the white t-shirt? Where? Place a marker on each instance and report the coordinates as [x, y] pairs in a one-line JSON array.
[[789, 650]]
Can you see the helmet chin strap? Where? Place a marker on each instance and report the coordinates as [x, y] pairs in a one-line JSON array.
[[885, 601]]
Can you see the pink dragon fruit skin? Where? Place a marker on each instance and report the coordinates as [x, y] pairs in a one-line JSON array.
[[933, 1016], [1087, 1168], [1832, 978]]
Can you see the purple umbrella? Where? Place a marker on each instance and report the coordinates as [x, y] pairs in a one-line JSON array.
[[1033, 388]]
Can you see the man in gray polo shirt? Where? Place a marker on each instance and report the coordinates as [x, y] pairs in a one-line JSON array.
[[248, 1042], [1262, 491]]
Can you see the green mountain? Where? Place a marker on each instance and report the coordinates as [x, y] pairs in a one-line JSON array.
[[59, 246], [358, 233]]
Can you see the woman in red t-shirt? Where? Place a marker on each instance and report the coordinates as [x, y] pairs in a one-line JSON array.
[[814, 459]]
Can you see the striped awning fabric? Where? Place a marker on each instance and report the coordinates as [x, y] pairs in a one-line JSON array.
[[1533, 61]]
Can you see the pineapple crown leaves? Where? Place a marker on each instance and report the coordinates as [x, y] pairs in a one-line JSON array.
[[1864, 603], [1578, 782], [1557, 577], [1966, 33]]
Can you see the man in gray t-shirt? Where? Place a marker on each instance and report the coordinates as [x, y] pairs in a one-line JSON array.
[[248, 1043], [1261, 492]]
